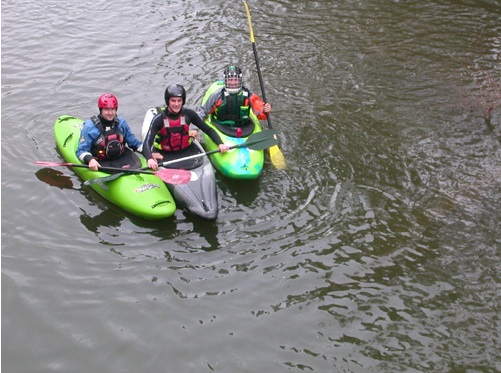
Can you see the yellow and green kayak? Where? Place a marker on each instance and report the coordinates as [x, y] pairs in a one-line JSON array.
[[240, 163]]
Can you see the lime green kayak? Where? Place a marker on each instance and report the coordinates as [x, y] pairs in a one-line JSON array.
[[241, 163], [140, 194]]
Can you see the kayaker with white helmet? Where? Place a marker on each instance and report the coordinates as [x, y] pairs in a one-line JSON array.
[[231, 104]]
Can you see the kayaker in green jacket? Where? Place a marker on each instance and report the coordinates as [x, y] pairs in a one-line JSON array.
[[231, 104]]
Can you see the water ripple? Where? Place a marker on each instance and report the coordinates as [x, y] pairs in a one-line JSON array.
[[375, 250]]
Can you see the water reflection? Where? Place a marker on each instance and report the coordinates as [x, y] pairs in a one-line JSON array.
[[240, 192], [113, 225], [55, 178]]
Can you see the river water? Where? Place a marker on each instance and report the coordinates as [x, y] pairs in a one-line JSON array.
[[376, 250]]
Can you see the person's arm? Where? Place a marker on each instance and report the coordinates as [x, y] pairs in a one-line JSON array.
[[210, 105], [259, 107], [88, 136], [155, 126], [86, 141], [197, 121], [130, 139]]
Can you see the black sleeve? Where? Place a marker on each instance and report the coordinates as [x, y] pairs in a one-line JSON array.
[[155, 126], [197, 121], [87, 158]]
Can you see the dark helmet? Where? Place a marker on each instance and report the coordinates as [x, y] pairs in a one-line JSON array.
[[175, 90], [232, 72], [107, 101]]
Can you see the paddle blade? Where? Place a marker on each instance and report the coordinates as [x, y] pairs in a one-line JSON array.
[[250, 22], [172, 176], [104, 179], [277, 158], [262, 135], [260, 140], [262, 144]]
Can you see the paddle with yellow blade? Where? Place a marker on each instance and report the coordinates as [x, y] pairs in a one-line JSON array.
[[276, 156]]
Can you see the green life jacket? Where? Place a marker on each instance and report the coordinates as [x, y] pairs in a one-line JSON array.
[[234, 110]]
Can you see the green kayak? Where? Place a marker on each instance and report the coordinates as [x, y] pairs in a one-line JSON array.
[[140, 194], [241, 163]]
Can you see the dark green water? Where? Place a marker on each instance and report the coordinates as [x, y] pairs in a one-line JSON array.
[[376, 250]]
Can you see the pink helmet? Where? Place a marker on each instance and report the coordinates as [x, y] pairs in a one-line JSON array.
[[107, 101]]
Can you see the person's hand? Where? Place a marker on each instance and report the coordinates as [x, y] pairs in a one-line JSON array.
[[223, 148], [153, 164], [267, 107], [157, 156], [94, 164]]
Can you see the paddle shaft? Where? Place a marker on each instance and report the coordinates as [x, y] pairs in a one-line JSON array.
[[258, 141], [277, 158], [105, 169], [244, 144], [170, 176], [256, 58]]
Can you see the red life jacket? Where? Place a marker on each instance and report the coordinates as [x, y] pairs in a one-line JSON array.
[[110, 144], [175, 134]]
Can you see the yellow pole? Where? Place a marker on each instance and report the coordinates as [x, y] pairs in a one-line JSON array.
[[276, 156]]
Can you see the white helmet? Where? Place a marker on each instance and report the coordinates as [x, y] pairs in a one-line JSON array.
[[233, 79]]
